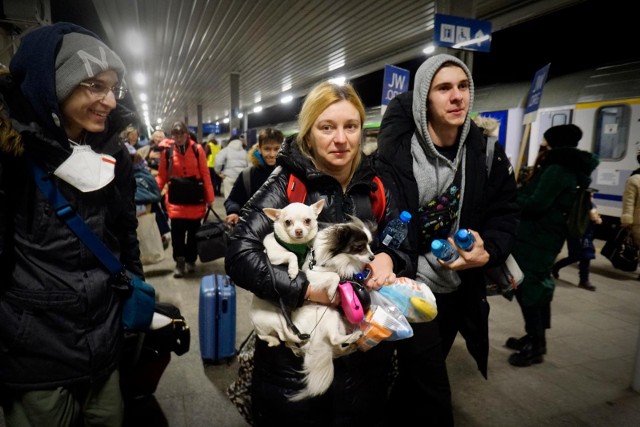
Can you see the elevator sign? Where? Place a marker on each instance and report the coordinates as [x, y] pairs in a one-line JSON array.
[[396, 81], [462, 33]]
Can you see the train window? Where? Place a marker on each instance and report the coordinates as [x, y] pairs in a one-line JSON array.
[[559, 119], [612, 130]]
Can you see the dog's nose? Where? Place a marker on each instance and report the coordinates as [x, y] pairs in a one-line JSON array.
[[371, 257], [298, 232]]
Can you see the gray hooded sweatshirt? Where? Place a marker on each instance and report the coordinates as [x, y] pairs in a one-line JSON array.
[[434, 173]]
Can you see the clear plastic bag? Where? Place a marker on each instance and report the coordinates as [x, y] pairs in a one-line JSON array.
[[414, 299], [384, 321]]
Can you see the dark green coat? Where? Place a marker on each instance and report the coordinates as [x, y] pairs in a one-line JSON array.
[[545, 201]]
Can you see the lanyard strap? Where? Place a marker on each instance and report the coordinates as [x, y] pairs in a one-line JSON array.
[[67, 213]]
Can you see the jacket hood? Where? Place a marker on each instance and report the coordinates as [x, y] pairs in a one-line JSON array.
[[254, 157], [424, 77], [33, 70], [580, 162], [292, 158], [235, 144]]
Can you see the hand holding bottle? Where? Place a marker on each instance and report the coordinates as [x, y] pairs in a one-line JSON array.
[[474, 256]]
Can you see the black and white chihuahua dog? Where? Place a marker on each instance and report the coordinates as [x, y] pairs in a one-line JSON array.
[[337, 253]]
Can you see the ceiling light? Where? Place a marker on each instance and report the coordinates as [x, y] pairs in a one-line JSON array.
[[240, 115], [257, 108], [225, 120], [286, 99], [429, 49], [140, 79], [143, 97], [338, 80], [286, 83]]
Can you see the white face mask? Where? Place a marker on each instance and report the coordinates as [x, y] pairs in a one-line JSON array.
[[87, 170]]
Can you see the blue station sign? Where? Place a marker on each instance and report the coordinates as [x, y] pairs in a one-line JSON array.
[[462, 33], [535, 94], [396, 81]]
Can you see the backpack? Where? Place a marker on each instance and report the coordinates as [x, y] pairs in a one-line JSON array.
[[579, 214], [297, 192]]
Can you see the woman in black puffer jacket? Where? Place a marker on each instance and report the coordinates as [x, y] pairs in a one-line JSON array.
[[326, 156]]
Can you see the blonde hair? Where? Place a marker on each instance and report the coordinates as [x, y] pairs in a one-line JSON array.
[[319, 99]]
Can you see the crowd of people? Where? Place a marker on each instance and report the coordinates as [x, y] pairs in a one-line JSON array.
[[431, 157]]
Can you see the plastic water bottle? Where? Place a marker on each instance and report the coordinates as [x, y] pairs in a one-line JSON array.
[[396, 231], [444, 250], [464, 239]]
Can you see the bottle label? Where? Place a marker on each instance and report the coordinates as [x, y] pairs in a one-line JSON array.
[[387, 240]]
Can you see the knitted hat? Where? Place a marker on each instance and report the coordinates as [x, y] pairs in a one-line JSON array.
[[82, 57], [563, 136]]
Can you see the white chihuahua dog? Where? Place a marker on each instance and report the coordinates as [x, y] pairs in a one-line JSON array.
[[337, 253]]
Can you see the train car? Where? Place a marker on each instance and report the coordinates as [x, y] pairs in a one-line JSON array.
[[603, 102]]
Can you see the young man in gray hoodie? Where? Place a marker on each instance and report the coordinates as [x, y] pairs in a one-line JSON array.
[[433, 157]]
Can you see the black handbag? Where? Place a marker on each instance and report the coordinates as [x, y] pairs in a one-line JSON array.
[[622, 251], [186, 191], [211, 238]]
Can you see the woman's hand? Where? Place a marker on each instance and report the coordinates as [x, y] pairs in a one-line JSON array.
[[476, 257], [381, 272], [232, 219], [321, 295]]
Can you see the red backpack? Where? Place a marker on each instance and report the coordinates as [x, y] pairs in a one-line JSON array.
[[297, 192]]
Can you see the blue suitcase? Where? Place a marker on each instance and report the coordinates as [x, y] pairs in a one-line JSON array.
[[217, 318]]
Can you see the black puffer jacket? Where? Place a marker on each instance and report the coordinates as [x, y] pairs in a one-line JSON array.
[[61, 320], [246, 261], [489, 207]]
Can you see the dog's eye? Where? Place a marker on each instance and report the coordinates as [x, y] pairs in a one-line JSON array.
[[288, 222], [307, 221], [358, 248]]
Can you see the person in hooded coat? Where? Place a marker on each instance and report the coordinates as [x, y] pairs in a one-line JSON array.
[[229, 163], [545, 200], [432, 157], [61, 335]]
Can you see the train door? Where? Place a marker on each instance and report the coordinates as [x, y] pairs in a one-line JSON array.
[[615, 142], [545, 120]]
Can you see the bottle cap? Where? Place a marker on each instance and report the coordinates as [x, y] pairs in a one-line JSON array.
[[463, 234], [405, 216], [436, 245]]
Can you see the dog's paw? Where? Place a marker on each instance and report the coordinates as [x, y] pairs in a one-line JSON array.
[[270, 340], [293, 271]]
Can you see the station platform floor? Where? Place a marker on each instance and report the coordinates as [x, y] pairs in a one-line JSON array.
[[585, 380]]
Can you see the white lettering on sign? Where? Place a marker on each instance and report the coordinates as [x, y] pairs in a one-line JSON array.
[[448, 33], [463, 34], [397, 81], [535, 99]]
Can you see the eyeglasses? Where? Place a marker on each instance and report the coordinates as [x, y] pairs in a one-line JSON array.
[[102, 90]]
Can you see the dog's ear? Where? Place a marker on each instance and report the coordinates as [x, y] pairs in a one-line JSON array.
[[272, 213], [317, 207]]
